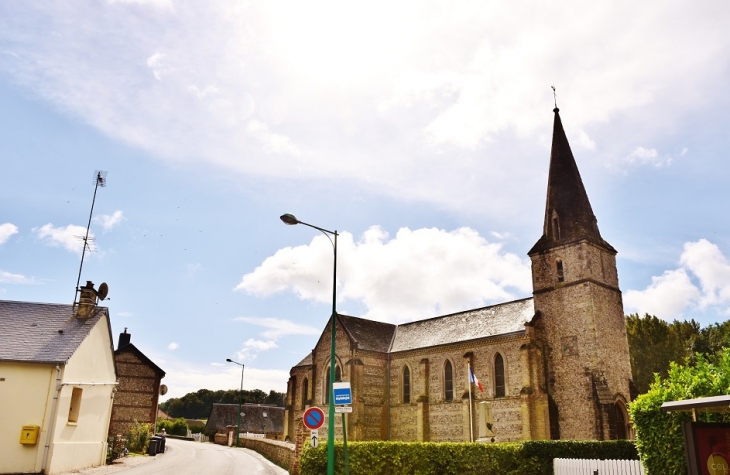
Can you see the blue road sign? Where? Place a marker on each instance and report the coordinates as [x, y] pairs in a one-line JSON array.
[[343, 393]]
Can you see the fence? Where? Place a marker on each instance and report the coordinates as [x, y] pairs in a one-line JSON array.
[[200, 437], [597, 467]]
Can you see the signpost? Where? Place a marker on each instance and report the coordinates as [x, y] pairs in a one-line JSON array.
[[343, 409], [315, 439]]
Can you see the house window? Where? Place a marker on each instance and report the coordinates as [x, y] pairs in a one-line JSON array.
[[338, 378], [561, 274], [448, 381], [73, 410], [499, 387], [406, 385], [305, 391]]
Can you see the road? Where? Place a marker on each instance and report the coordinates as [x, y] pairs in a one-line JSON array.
[[184, 457]]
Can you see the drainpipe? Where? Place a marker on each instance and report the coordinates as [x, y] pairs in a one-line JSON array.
[[105, 441], [54, 406]]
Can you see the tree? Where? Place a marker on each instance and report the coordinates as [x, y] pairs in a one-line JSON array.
[[654, 344], [197, 405]]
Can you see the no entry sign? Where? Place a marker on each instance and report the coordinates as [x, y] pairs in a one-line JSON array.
[[313, 418]]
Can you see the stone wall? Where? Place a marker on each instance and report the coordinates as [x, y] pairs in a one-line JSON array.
[[281, 453], [137, 393], [583, 332]]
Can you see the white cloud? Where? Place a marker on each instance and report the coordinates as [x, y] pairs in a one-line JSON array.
[[674, 294], [261, 88], [260, 345], [9, 278], [108, 221], [173, 346], [276, 328], [417, 274], [70, 237], [7, 230], [650, 156], [666, 297]]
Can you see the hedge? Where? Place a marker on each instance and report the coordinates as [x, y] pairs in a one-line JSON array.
[[659, 433], [451, 458]]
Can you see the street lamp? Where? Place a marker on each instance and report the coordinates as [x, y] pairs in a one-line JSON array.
[[240, 399], [292, 220]]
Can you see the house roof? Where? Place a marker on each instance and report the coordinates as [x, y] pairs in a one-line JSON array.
[[474, 324], [568, 213], [129, 347], [252, 420], [43, 332], [368, 334]]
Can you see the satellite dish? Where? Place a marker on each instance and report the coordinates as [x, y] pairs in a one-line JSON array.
[[163, 389], [103, 291]]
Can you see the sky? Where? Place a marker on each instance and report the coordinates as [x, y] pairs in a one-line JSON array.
[[420, 131]]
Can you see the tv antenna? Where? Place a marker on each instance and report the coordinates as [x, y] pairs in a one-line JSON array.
[[99, 181]]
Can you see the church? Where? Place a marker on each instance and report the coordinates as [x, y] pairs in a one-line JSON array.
[[553, 366]]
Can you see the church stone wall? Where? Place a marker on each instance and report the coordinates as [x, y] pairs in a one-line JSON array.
[[582, 326]]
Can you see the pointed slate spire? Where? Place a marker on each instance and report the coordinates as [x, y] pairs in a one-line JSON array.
[[568, 213]]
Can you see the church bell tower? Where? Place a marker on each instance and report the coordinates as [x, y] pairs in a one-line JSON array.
[[580, 318]]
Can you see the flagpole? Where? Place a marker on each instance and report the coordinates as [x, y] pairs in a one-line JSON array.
[[471, 424]]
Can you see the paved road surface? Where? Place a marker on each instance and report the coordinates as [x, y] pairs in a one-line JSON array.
[[184, 457]]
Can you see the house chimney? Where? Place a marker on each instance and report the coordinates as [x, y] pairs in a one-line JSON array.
[[124, 339], [87, 302]]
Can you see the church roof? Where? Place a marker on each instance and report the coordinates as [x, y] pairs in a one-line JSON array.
[[568, 213], [474, 324], [307, 361], [43, 332], [368, 334]]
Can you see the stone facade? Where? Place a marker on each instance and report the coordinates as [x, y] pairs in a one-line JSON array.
[[138, 390], [552, 366]]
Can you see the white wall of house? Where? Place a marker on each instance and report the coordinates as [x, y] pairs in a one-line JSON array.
[[83, 443], [25, 399]]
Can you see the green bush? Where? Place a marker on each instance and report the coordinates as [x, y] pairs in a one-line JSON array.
[[447, 458], [138, 437], [659, 433], [178, 426]]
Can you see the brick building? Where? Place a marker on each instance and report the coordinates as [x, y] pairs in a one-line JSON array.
[[555, 365], [138, 391]]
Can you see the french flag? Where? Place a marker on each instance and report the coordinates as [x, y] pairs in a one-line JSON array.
[[473, 379]]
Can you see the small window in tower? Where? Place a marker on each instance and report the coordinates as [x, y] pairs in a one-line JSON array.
[[561, 275], [556, 228], [73, 410]]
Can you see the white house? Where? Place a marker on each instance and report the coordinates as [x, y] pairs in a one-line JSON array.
[[57, 383]]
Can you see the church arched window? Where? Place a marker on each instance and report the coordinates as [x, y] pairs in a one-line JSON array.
[[305, 392], [448, 381], [338, 377], [499, 386], [406, 385], [559, 268]]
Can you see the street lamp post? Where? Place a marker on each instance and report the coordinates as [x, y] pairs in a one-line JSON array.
[[292, 220], [240, 398]]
